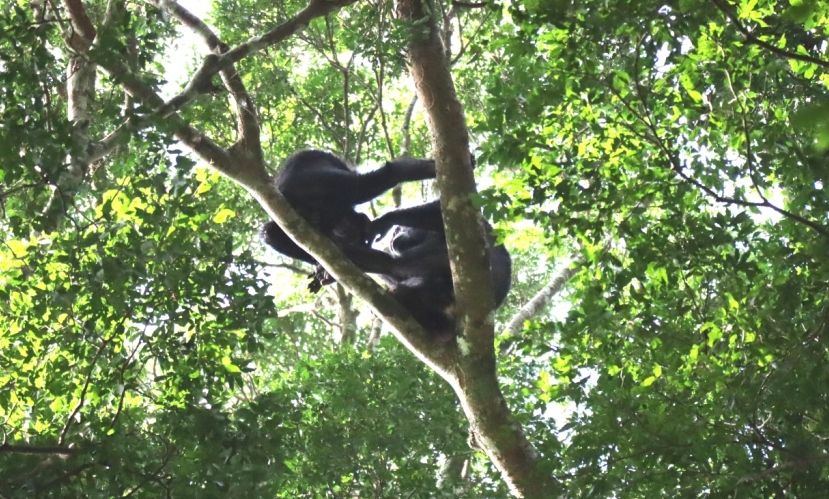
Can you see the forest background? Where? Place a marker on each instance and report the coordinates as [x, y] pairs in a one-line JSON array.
[[657, 170]]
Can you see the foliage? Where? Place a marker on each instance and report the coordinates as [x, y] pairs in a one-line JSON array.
[[679, 149], [694, 352]]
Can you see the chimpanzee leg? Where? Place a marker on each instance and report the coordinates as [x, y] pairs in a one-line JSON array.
[[405, 238], [410, 264], [431, 303], [425, 216], [425, 222], [501, 264]]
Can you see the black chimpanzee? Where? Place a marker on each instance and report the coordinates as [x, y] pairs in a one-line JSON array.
[[324, 190], [419, 243]]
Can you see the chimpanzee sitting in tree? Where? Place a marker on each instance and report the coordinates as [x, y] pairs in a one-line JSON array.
[[419, 242], [324, 191]]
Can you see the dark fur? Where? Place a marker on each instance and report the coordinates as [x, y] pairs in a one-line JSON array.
[[324, 191], [429, 295]]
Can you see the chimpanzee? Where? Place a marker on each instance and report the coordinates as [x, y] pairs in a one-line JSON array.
[[421, 279], [429, 296], [324, 191]]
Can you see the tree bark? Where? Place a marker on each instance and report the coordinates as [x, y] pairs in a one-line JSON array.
[[473, 376], [541, 299]]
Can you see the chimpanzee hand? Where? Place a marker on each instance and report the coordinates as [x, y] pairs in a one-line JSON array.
[[319, 278], [378, 228]]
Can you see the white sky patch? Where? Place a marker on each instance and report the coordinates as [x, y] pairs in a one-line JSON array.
[[179, 59], [199, 8]]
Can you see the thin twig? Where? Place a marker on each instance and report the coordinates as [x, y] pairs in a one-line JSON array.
[[756, 41]]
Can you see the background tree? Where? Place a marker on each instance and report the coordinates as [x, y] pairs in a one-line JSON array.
[[675, 151]]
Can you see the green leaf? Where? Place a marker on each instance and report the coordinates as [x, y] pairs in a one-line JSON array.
[[223, 215]]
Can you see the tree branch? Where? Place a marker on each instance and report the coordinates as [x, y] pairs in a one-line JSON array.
[[469, 5], [541, 299], [447, 124], [84, 32], [249, 172], [247, 123], [675, 165], [721, 6], [82, 397], [59, 450], [300, 21], [473, 376], [80, 87]]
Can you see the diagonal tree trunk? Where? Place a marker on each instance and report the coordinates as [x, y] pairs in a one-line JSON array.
[[473, 375]]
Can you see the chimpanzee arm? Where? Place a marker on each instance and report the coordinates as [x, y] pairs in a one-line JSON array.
[[276, 238], [310, 178], [371, 184], [367, 259]]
